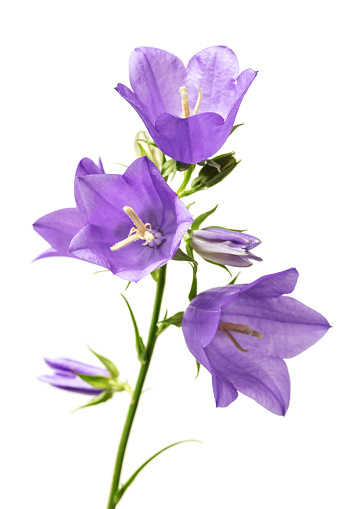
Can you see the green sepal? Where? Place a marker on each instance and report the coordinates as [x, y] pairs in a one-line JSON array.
[[173, 320], [234, 279], [169, 168], [155, 275], [182, 257], [98, 271], [129, 282], [109, 365], [99, 382], [139, 344], [198, 369], [209, 176], [235, 127], [101, 398], [121, 491], [219, 265], [200, 219]]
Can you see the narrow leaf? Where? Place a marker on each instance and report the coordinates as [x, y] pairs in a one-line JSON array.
[[174, 320], [101, 398], [180, 256], [197, 222], [234, 279], [235, 127], [198, 369], [141, 350], [124, 487], [107, 363], [98, 271], [129, 282], [219, 265]]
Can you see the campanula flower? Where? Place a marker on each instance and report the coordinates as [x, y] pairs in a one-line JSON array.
[[59, 227], [189, 112], [64, 376], [226, 247], [242, 333], [135, 221]]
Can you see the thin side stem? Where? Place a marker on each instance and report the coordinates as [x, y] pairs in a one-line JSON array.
[[187, 176], [152, 336]]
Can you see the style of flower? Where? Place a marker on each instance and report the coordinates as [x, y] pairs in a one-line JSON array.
[[135, 221], [189, 112], [59, 227], [242, 333], [226, 247], [64, 376]]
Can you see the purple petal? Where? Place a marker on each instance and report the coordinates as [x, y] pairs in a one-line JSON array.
[[58, 228], [66, 383], [144, 189], [85, 167], [156, 76], [215, 70], [69, 366], [221, 234], [272, 285], [224, 392], [263, 378], [288, 326]]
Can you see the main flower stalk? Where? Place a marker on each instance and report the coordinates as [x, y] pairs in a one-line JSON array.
[[152, 337]]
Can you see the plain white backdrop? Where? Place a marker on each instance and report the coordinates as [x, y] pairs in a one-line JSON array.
[[60, 63]]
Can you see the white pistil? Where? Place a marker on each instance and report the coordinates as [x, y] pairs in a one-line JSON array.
[[184, 102], [141, 232], [197, 104]]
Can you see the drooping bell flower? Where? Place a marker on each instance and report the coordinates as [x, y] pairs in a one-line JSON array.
[[59, 227], [242, 333], [226, 247], [135, 221], [189, 112], [64, 376]]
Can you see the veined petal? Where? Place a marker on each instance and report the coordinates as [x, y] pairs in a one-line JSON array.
[[287, 325], [58, 228], [69, 365], [263, 378], [85, 167], [156, 76], [66, 383], [215, 71]]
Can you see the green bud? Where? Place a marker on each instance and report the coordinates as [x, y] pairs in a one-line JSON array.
[[214, 171], [145, 146]]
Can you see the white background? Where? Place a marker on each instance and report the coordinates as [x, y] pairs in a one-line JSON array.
[[61, 61]]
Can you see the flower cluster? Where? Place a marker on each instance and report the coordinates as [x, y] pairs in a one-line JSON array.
[[133, 224]]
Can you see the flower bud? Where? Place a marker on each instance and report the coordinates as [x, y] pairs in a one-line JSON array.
[[225, 247], [145, 146]]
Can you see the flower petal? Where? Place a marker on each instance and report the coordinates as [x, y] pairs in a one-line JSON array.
[[215, 71], [66, 383], [58, 228], [156, 76], [263, 378], [85, 167], [69, 365]]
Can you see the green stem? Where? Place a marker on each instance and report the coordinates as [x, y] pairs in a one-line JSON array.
[[187, 176], [152, 336]]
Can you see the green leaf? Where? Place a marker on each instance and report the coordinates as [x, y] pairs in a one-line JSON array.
[[101, 398], [129, 282], [149, 142], [200, 219], [168, 168], [98, 271], [141, 149], [107, 363], [190, 204], [234, 279], [124, 487], [235, 127], [180, 256], [198, 369], [100, 382], [210, 176], [219, 265], [141, 350], [173, 320]]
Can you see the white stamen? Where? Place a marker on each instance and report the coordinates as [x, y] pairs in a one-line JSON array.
[[141, 232], [197, 104], [184, 102]]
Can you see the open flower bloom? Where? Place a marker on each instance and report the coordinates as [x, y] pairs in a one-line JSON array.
[[223, 246], [189, 112], [242, 333], [64, 376], [135, 221], [59, 227]]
